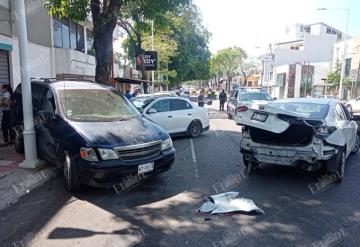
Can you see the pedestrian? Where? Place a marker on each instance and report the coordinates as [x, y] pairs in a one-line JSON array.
[[5, 101], [128, 94], [222, 99], [201, 99], [178, 94], [136, 92]]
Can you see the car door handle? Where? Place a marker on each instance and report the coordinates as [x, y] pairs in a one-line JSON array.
[[189, 114], [170, 116]]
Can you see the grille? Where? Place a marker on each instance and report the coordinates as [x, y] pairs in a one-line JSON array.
[[141, 151]]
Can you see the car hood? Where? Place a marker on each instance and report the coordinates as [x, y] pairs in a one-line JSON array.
[[120, 133]]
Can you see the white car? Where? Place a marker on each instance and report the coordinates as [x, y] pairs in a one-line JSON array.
[[308, 133], [175, 114], [353, 106]]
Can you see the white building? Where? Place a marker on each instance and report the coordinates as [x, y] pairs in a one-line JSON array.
[[301, 62], [57, 47]]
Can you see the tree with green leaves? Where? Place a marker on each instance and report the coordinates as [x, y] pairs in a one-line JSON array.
[[136, 18], [132, 15], [104, 17], [192, 38], [247, 69], [228, 62]]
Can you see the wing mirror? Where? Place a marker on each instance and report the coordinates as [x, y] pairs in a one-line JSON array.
[[151, 111], [274, 98]]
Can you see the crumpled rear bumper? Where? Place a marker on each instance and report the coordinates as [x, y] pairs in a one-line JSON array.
[[286, 155]]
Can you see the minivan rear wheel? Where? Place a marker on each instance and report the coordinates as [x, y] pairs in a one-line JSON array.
[[71, 179]]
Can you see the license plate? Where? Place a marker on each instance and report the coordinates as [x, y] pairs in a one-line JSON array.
[[148, 167], [261, 117]]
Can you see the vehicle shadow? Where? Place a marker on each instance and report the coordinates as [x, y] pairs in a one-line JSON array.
[[161, 211]]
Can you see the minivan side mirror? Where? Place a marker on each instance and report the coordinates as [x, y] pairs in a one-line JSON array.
[[151, 111], [274, 98]]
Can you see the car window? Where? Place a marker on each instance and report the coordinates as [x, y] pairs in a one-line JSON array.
[[346, 112], [178, 104], [340, 115], [306, 109], [48, 102], [36, 90], [161, 106], [247, 96]]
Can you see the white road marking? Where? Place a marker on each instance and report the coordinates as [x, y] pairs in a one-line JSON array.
[[194, 157]]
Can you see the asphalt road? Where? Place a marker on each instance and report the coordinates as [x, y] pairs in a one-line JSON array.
[[301, 208]]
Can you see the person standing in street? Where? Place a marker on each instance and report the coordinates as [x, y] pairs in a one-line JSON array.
[[128, 94], [222, 99], [5, 101], [201, 99]]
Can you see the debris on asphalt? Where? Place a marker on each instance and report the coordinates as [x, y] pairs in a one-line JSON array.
[[207, 219], [228, 203]]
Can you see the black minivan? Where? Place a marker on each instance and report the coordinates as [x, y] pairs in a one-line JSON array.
[[93, 132]]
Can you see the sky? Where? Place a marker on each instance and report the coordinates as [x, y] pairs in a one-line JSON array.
[[254, 24]]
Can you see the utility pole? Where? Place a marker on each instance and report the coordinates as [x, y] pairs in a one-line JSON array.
[[31, 159], [152, 48]]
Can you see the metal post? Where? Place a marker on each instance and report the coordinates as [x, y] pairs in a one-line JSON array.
[[31, 159], [343, 64], [152, 48]]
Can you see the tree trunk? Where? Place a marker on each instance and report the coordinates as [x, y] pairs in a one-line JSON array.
[[229, 77], [104, 24]]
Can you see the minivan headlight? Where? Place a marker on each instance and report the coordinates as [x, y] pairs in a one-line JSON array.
[[166, 144], [88, 154], [107, 154]]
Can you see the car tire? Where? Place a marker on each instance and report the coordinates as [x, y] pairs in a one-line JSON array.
[[195, 128], [349, 108], [71, 178], [19, 144], [341, 166], [357, 145]]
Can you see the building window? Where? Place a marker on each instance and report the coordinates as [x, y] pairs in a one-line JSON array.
[[307, 29], [80, 41], [65, 30], [347, 66], [68, 35], [333, 32], [90, 42], [328, 30], [339, 35]]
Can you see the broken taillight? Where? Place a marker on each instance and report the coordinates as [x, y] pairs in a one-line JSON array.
[[241, 108], [324, 131]]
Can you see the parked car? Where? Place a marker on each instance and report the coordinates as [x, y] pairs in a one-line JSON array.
[[243, 97], [353, 106], [94, 133], [309, 133], [175, 114]]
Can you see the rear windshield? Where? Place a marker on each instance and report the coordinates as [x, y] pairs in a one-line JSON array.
[[247, 96], [95, 105], [142, 103], [308, 110]]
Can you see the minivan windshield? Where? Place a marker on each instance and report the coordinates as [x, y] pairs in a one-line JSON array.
[[95, 105], [248, 96]]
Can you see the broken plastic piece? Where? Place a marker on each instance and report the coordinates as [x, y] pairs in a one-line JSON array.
[[229, 202]]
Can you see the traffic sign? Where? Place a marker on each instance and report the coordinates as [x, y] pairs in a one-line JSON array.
[[353, 75]]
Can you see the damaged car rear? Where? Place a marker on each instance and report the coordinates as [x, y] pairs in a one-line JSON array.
[[307, 133]]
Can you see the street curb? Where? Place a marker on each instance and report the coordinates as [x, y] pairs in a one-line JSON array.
[[21, 182]]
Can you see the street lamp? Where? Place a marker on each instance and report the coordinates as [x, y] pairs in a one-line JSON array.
[[342, 74]]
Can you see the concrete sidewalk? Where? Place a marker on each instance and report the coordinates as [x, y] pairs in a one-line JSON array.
[[16, 182]]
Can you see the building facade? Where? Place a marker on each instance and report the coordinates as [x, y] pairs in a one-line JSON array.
[[57, 47], [303, 62]]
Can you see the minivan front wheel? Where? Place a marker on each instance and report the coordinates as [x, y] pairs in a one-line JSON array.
[[71, 179]]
